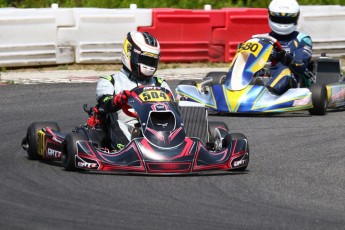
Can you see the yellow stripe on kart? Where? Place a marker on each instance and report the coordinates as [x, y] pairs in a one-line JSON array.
[[41, 143], [234, 98], [284, 73], [329, 92]]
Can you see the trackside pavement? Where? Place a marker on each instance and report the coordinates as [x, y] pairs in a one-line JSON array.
[[79, 76]]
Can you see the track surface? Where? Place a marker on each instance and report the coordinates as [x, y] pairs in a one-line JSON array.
[[295, 179]]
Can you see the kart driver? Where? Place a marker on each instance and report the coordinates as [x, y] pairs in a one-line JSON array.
[[140, 58], [290, 64]]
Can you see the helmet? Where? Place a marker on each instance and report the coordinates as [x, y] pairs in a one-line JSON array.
[[140, 54], [283, 16]]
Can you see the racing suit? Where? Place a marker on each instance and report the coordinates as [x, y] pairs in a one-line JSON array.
[[284, 77], [119, 125]]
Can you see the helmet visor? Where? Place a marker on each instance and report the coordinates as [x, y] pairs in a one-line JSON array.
[[284, 18], [149, 59]]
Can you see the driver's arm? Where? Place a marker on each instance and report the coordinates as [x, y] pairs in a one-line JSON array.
[[105, 93], [302, 56]]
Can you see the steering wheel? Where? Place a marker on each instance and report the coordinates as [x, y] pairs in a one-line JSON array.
[[270, 39], [276, 44], [125, 108]]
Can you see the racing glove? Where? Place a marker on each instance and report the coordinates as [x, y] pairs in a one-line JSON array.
[[284, 57], [121, 98]]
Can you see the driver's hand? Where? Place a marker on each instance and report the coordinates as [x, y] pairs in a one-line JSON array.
[[284, 57], [121, 98]]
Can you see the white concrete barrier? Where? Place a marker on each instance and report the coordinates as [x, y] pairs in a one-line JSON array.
[[100, 33], [62, 35], [325, 25], [28, 37]]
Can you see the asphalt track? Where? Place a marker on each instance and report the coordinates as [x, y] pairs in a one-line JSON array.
[[295, 179]]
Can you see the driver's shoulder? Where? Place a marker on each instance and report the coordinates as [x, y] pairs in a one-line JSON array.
[[158, 81], [302, 37]]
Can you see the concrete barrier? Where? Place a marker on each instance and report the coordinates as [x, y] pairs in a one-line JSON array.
[[50, 36], [28, 37], [325, 25], [99, 33]]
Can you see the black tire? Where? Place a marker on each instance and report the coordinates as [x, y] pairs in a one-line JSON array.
[[212, 125], [32, 137], [70, 150], [187, 82], [227, 140], [217, 77], [236, 136], [319, 99], [217, 131]]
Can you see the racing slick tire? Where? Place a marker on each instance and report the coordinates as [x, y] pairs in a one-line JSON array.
[[187, 82], [319, 99], [70, 150], [30, 142], [218, 77], [217, 131], [236, 136]]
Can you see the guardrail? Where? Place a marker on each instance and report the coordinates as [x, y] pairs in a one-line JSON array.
[[55, 35]]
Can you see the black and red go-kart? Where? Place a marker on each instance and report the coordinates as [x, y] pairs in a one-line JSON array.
[[171, 138]]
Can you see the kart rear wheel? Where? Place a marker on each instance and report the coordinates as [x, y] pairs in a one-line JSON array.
[[319, 99], [70, 150], [236, 136], [31, 139], [187, 82], [217, 77]]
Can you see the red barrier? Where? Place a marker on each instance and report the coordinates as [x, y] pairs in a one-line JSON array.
[[186, 35], [240, 25], [199, 35]]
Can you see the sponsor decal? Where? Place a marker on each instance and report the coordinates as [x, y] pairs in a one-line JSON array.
[[87, 165], [81, 163], [239, 163], [53, 153], [148, 54], [339, 96], [57, 140], [303, 101], [159, 107]]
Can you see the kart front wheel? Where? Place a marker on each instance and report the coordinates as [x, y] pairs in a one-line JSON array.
[[319, 99], [217, 130], [70, 150], [30, 142]]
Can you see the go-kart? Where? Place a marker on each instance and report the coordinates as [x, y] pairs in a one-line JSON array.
[[170, 138], [243, 88]]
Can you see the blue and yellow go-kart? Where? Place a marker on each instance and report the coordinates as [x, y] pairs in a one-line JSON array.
[[242, 89]]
